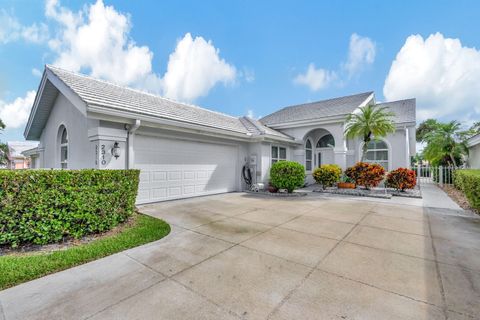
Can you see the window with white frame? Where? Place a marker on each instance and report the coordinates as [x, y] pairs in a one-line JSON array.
[[377, 152], [278, 154], [64, 149], [326, 141], [308, 155]]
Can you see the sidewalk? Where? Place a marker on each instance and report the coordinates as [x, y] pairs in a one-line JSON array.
[[434, 197]]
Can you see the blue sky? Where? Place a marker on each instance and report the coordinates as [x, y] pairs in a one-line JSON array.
[[249, 57]]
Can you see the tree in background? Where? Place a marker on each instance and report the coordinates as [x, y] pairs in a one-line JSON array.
[[368, 124], [425, 127], [446, 143], [3, 146]]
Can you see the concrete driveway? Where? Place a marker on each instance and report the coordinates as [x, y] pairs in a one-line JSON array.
[[241, 256]]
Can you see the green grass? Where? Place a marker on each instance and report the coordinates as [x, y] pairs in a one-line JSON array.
[[15, 269]]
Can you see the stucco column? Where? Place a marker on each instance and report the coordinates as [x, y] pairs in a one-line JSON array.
[[102, 141], [341, 157], [340, 150]]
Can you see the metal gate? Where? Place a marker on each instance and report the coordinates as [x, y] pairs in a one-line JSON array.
[[439, 175]]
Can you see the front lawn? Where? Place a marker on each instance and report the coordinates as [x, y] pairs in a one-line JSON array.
[[18, 268]]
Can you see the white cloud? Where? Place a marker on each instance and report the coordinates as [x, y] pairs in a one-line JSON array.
[[248, 74], [441, 73], [15, 114], [194, 68], [36, 72], [361, 53], [12, 30], [97, 39], [314, 78]]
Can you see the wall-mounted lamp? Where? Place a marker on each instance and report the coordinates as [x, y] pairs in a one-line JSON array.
[[116, 150]]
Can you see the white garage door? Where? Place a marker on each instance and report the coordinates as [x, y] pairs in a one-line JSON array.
[[173, 169]]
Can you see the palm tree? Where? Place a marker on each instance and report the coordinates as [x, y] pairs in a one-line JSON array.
[[445, 143], [370, 123]]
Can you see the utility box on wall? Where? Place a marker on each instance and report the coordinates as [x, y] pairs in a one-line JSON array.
[[109, 148]]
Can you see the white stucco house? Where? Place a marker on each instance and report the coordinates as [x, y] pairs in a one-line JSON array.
[[473, 144], [184, 150]]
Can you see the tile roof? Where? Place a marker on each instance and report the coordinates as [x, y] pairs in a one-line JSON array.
[[101, 93], [404, 110], [255, 127], [316, 110]]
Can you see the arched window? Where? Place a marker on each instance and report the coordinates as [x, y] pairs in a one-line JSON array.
[[63, 148], [308, 155], [326, 141], [377, 153]]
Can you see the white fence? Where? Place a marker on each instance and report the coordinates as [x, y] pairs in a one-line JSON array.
[[428, 174]]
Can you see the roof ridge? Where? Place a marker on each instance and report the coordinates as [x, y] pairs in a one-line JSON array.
[[255, 124], [49, 66], [395, 101], [325, 100]]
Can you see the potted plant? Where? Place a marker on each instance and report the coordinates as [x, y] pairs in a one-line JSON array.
[[346, 183]]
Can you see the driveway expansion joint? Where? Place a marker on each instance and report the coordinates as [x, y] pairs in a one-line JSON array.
[[289, 295], [437, 270]]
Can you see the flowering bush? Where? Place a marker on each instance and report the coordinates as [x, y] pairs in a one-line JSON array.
[[401, 179], [327, 175], [366, 174]]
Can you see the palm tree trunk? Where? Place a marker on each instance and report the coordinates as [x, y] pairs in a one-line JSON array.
[[366, 140], [453, 160], [364, 151]]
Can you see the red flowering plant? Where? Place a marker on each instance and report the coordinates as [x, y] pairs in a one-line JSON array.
[[401, 179], [366, 174]]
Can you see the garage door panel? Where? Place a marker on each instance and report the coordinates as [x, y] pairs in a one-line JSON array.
[[172, 169]]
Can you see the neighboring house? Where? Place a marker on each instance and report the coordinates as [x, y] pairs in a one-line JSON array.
[[15, 157], [474, 152], [184, 150]]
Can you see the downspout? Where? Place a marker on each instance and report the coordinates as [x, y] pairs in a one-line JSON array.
[[407, 149], [130, 139]]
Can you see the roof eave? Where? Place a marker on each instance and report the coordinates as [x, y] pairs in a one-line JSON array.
[[41, 86], [70, 94], [159, 121]]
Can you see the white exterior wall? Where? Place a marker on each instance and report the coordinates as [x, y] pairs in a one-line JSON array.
[[347, 153], [263, 153], [80, 152], [474, 157], [399, 153]]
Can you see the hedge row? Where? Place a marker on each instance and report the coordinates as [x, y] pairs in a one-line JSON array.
[[46, 206], [468, 181]]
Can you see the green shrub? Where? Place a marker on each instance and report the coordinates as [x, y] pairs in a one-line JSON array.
[[45, 206], [327, 175], [468, 181], [401, 179], [366, 174], [287, 175]]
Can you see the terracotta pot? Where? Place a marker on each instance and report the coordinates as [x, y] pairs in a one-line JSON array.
[[346, 185]]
